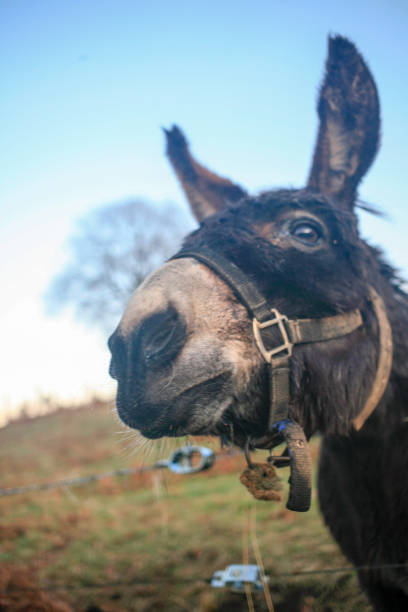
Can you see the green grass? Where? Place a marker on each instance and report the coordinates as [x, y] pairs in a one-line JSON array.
[[159, 534]]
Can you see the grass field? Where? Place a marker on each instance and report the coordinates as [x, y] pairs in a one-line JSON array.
[[151, 541]]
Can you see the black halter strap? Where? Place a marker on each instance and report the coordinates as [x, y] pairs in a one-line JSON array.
[[292, 331]]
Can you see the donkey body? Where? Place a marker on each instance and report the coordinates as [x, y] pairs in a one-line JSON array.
[[186, 361]]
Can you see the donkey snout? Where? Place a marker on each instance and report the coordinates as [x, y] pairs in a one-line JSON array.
[[141, 354]]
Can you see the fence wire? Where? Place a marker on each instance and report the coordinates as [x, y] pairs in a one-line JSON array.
[[160, 582], [82, 480]]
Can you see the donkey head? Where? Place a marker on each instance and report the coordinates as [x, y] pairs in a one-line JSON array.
[[184, 353]]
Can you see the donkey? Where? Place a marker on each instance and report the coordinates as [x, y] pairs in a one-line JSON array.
[[276, 321]]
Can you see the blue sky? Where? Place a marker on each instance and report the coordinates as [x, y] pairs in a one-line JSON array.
[[86, 86]]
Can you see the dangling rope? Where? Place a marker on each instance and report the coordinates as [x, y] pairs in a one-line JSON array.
[[258, 557], [245, 560]]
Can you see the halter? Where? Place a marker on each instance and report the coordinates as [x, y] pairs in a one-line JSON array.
[[293, 332]]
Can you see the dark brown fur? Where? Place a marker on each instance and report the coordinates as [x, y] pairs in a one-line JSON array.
[[363, 488]]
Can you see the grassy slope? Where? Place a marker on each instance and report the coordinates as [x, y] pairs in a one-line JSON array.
[[159, 533]]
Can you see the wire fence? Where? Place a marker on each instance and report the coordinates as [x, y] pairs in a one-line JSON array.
[[80, 480], [182, 461], [183, 580]]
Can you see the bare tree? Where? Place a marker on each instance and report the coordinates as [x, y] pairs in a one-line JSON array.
[[113, 249]]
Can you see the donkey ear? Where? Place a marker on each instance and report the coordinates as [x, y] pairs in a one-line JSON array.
[[348, 136], [206, 192]]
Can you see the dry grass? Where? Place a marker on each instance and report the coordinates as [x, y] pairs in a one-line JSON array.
[[151, 541]]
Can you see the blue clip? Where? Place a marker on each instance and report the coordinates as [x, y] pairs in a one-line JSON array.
[[281, 425]]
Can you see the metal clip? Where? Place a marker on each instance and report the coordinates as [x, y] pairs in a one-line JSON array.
[[181, 461], [279, 320], [279, 461], [236, 577]]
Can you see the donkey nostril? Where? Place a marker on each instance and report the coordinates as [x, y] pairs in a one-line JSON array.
[[159, 342], [154, 343], [161, 337]]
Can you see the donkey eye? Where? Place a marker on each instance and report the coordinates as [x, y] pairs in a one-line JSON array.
[[307, 232]]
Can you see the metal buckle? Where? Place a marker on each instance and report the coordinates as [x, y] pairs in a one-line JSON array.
[[278, 320]]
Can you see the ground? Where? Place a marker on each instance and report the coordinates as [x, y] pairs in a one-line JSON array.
[[148, 542]]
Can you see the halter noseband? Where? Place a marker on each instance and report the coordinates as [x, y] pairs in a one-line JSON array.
[[293, 332]]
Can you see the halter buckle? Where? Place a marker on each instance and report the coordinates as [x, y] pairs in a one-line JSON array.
[[278, 319]]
